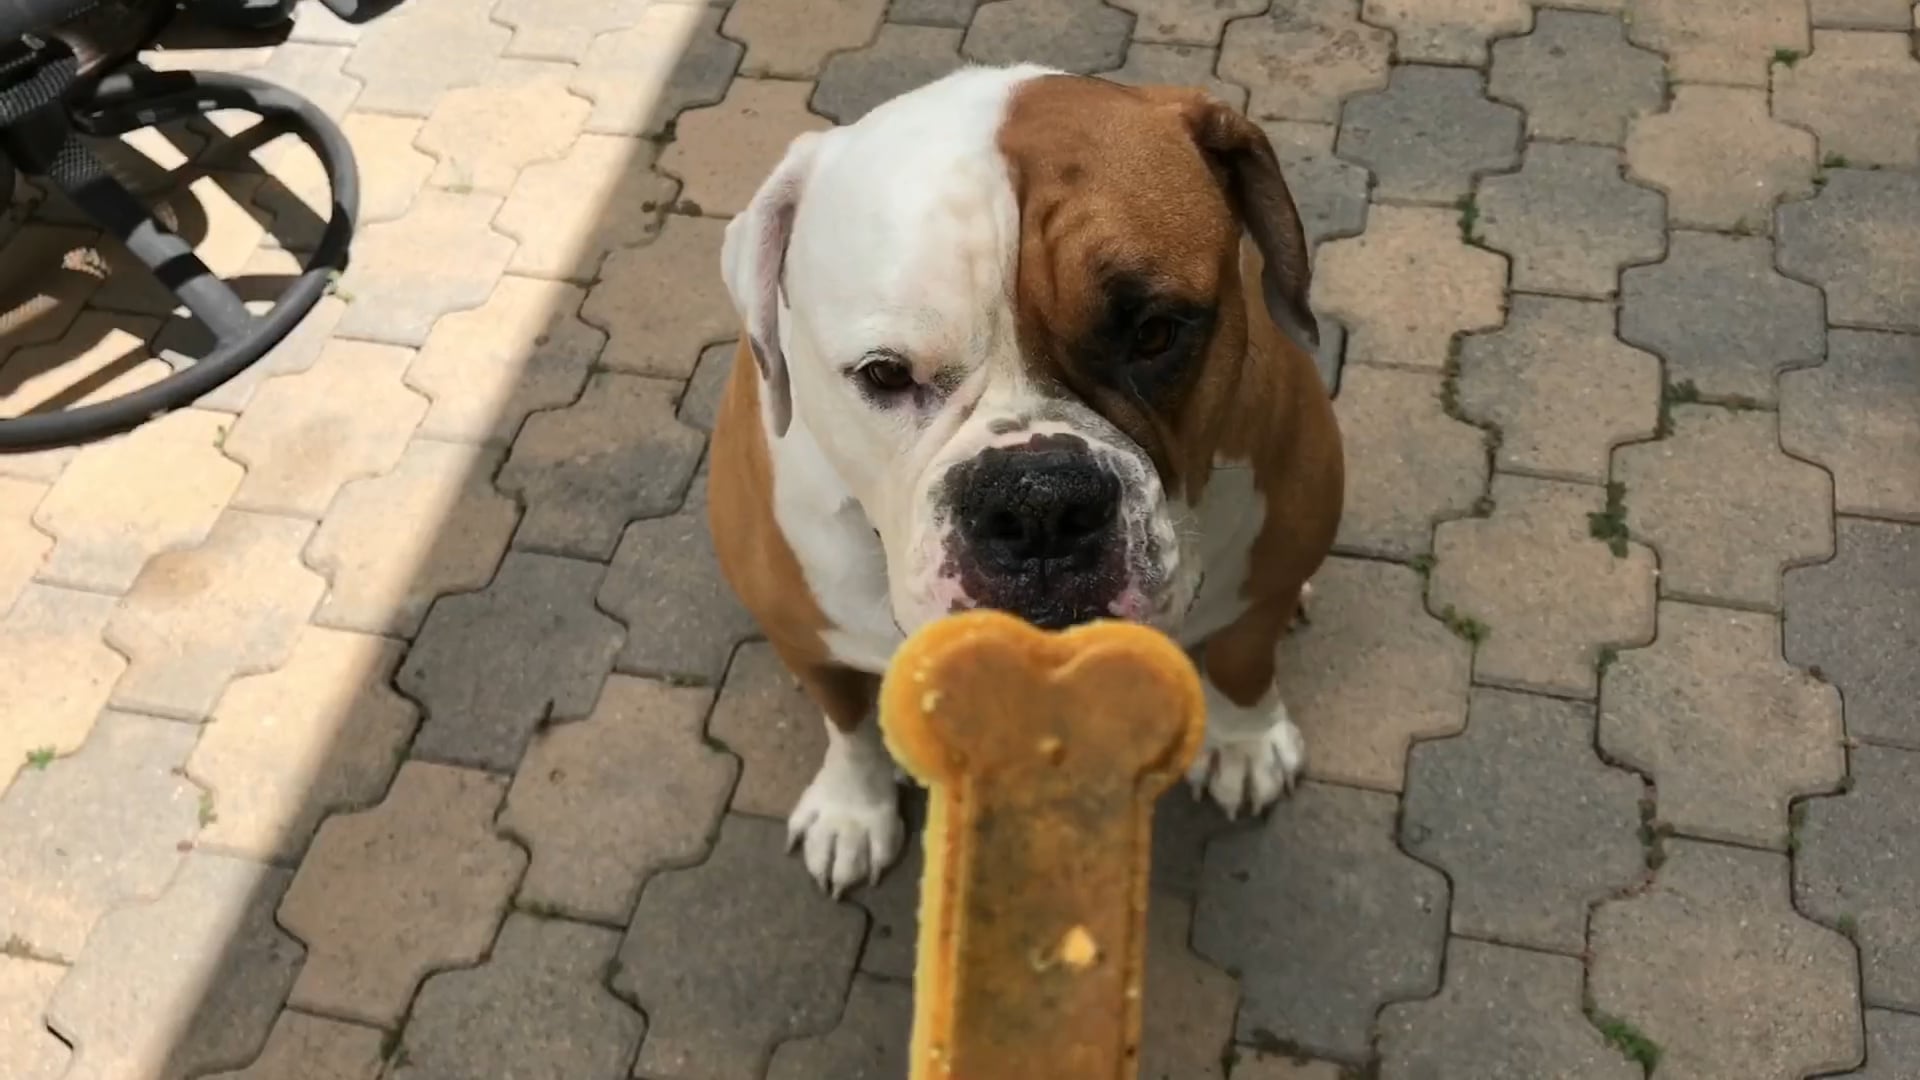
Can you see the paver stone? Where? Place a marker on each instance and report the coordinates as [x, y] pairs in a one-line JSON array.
[[1526, 820], [324, 733], [1324, 920], [539, 611], [605, 803], [1545, 593], [393, 544], [1714, 967], [389, 895], [537, 1008], [734, 956], [183, 985], [1371, 674], [196, 619]]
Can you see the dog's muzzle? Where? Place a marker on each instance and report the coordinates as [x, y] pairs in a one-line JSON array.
[[1037, 531]]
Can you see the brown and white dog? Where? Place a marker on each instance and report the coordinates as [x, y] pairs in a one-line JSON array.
[[1005, 347]]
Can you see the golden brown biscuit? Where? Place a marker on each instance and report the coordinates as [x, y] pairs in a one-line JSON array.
[[1043, 754]]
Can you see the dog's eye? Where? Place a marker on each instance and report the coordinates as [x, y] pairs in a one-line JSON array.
[[886, 375], [1155, 337]]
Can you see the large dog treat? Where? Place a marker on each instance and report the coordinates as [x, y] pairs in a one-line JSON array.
[[1043, 753]]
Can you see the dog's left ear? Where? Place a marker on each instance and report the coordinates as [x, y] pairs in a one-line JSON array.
[[1259, 195], [753, 260]]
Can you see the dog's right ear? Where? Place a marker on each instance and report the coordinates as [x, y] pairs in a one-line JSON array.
[[753, 260]]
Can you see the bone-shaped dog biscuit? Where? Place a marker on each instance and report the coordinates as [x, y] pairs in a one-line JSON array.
[[1043, 754]]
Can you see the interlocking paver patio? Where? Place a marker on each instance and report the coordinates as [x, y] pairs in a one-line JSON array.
[[22, 546], [118, 504], [1857, 240], [1323, 919], [1301, 60], [1577, 77], [1860, 93], [283, 750], [487, 369], [616, 455], [1654, 750], [93, 831], [1859, 871], [1527, 821], [183, 984], [639, 755], [1722, 160], [1413, 465], [482, 713], [1505, 1014], [1568, 222], [726, 964], [1408, 250], [1725, 729], [1724, 320], [1072, 35], [315, 1048], [384, 566], [1732, 42], [869, 1043], [1714, 966], [539, 1006], [1370, 619], [1859, 416], [1447, 31], [1182, 22], [1561, 389], [390, 894], [1542, 592], [901, 58], [196, 618], [1726, 510], [1429, 134]]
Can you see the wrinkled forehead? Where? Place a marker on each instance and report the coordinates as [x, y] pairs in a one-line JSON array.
[[1112, 187]]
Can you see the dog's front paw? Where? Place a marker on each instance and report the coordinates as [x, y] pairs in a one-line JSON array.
[[848, 833], [1249, 772]]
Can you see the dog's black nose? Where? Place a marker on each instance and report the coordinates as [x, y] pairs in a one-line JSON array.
[[1023, 506]]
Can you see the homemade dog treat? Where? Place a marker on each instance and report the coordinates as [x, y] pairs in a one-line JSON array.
[[1043, 754]]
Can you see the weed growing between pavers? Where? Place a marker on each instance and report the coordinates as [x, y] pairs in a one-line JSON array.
[[1653, 834], [40, 757], [1464, 626], [1786, 57], [1627, 1039], [1610, 525], [1469, 216]]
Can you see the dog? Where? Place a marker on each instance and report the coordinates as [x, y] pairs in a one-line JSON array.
[[1032, 341]]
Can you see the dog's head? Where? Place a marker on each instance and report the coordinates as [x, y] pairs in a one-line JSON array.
[[1008, 307]]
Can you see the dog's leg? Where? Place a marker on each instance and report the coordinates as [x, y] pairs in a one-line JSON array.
[[847, 824], [1253, 753]]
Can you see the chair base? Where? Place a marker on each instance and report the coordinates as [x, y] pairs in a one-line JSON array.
[[42, 119]]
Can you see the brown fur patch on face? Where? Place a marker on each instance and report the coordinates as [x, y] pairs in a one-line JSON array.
[[1124, 218]]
